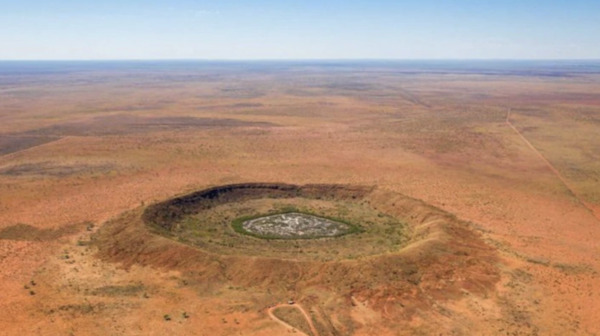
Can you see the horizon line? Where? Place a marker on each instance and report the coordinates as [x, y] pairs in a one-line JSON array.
[[294, 59]]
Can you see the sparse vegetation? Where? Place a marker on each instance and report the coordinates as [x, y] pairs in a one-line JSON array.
[[82, 145]]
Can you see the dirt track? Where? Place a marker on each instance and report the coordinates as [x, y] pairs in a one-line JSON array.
[[564, 181], [297, 306]]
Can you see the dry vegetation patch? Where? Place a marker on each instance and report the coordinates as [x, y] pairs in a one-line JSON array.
[[31, 233]]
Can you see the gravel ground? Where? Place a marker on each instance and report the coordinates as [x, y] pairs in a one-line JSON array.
[[295, 224]]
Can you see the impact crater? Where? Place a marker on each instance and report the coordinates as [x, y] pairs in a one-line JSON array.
[[404, 249]]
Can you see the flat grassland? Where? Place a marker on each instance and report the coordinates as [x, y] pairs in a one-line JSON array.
[[511, 150]]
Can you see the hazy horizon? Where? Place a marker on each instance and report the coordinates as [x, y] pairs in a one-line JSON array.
[[483, 60], [308, 30]]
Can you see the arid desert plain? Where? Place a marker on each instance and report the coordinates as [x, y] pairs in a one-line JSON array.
[[464, 198]]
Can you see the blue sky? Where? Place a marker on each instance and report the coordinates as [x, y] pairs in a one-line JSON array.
[[299, 29]]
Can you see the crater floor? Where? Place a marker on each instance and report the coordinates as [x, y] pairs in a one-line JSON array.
[[294, 225]]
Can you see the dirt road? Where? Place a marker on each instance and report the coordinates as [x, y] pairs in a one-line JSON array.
[[297, 306], [552, 168]]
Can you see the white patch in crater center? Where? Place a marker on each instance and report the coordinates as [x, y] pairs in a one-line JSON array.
[[294, 224]]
